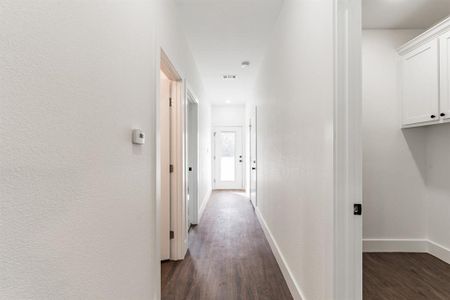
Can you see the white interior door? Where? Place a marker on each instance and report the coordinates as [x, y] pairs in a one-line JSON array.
[[253, 160], [228, 158]]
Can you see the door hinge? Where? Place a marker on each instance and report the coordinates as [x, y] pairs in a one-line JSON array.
[[170, 102], [171, 168], [357, 209], [171, 235]]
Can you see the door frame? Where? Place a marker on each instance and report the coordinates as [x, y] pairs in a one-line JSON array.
[[347, 275], [163, 139], [178, 244], [213, 156], [192, 99]]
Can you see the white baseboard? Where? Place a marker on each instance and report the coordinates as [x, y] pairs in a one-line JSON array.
[[394, 245], [407, 245], [439, 251], [202, 208], [287, 274]]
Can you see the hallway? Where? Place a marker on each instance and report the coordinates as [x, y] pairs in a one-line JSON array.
[[229, 257]]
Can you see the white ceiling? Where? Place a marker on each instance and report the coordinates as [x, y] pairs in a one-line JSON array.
[[403, 14], [222, 34]]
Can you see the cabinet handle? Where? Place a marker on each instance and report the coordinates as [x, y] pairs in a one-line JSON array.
[[433, 116], [442, 115]]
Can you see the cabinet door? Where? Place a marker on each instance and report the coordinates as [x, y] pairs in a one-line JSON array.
[[445, 75], [420, 85]]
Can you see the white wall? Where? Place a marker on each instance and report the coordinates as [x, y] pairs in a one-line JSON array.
[[172, 40], [438, 185], [77, 198], [393, 159], [228, 115], [295, 98], [248, 113], [205, 171]]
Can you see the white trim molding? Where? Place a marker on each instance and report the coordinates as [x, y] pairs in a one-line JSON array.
[[294, 288], [439, 251], [430, 34], [407, 245], [204, 203], [394, 245], [347, 273]]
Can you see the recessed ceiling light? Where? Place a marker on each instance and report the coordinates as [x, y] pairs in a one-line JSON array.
[[245, 64], [227, 101]]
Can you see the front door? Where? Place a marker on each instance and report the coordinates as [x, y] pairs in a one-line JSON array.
[[228, 158]]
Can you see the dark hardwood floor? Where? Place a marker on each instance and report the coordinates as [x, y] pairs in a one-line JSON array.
[[229, 257], [405, 276]]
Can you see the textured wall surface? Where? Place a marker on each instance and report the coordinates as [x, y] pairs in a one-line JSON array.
[[295, 97], [172, 40], [76, 197]]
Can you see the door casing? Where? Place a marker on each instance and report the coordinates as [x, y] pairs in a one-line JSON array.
[[178, 210]]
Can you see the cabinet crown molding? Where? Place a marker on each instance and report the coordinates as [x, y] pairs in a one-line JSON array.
[[435, 31]]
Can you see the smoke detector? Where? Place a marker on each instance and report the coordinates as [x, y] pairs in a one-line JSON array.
[[245, 64]]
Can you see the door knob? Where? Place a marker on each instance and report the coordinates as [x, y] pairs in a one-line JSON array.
[[433, 116], [442, 115], [253, 168]]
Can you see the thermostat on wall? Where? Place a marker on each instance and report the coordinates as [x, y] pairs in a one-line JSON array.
[[138, 137]]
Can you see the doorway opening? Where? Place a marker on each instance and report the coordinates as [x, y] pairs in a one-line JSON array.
[[405, 154]]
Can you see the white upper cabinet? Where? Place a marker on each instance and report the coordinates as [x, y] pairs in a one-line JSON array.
[[420, 84], [425, 77], [444, 43]]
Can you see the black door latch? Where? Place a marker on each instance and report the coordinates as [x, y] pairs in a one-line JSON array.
[[357, 209]]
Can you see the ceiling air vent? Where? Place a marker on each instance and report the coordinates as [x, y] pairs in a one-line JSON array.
[[229, 76]]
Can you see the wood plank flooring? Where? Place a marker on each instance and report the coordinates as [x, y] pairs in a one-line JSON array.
[[405, 276], [229, 257]]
